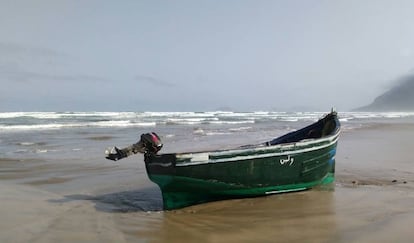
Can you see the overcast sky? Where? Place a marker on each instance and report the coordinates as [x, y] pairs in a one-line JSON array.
[[138, 55]]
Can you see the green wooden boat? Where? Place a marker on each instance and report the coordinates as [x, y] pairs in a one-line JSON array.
[[296, 161]]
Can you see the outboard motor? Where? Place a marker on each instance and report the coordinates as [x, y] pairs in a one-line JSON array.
[[150, 143]]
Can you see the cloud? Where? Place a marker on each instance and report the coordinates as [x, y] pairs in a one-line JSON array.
[[16, 74], [28, 64], [19, 51], [154, 81]]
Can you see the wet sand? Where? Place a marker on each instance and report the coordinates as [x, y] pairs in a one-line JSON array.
[[101, 201]]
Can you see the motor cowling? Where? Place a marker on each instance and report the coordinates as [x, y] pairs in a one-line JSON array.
[[151, 142]]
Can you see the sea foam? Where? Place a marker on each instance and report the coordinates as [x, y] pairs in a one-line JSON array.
[[32, 121]]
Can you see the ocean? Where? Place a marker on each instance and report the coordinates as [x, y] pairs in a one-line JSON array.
[[84, 135]]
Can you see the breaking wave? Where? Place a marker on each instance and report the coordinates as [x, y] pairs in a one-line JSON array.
[[24, 121]]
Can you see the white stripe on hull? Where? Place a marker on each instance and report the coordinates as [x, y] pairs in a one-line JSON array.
[[288, 190]]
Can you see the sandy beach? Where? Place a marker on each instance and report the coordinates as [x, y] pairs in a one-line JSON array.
[[101, 201]]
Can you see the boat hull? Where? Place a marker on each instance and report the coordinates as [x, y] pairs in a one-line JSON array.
[[188, 179]]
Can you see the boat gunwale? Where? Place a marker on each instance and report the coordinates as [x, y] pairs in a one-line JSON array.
[[263, 147], [292, 149], [304, 142]]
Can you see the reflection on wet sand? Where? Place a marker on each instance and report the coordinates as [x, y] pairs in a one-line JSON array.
[[279, 218]]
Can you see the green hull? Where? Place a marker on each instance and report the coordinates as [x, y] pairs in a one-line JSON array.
[[174, 199], [192, 178], [198, 182]]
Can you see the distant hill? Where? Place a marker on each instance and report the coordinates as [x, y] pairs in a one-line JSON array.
[[398, 98]]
